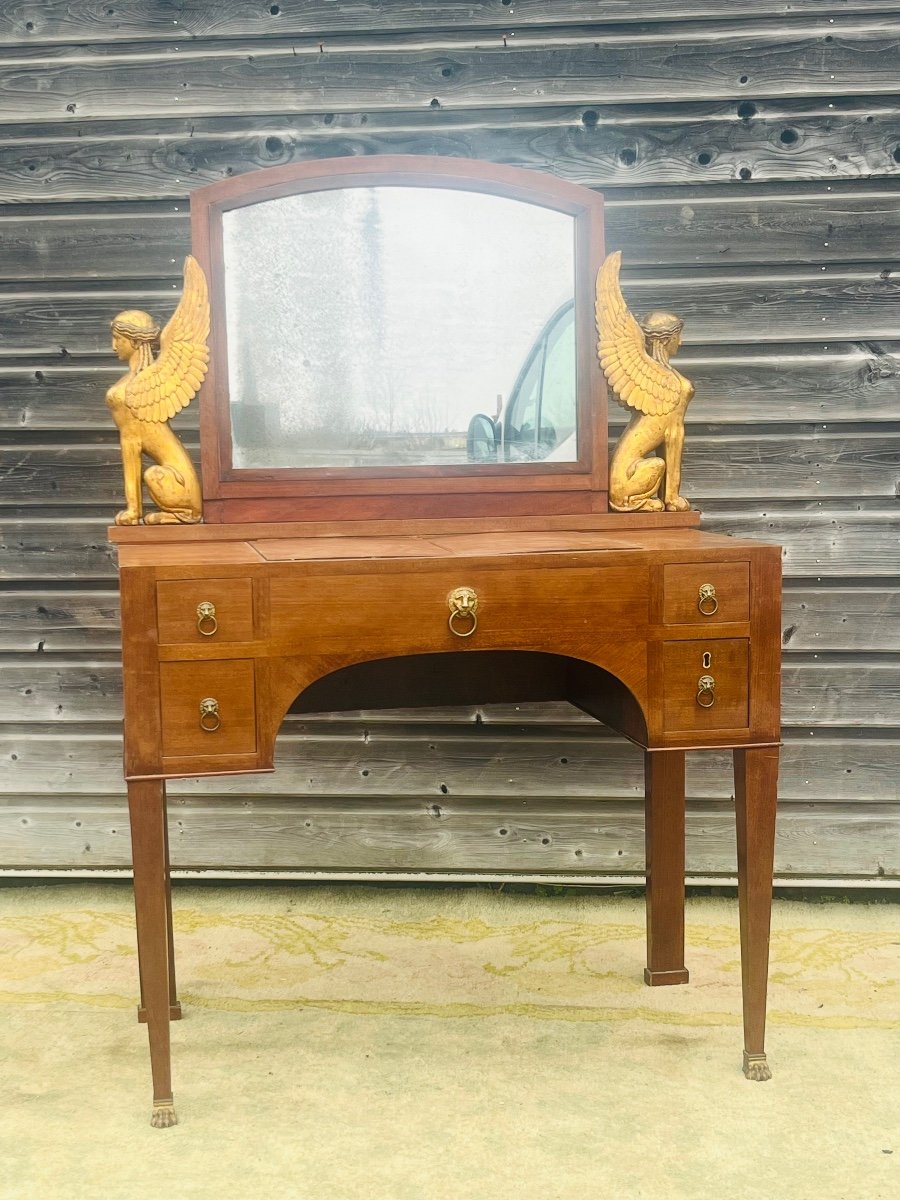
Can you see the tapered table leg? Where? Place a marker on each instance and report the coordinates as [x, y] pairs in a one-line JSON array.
[[664, 832], [147, 809], [755, 793], [175, 1013], [174, 1004]]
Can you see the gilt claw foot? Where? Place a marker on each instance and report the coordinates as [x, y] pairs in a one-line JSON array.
[[163, 1116], [128, 517], [756, 1067]]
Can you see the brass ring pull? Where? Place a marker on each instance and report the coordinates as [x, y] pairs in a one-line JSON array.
[[209, 715], [707, 602], [463, 632], [463, 604], [706, 695], [206, 618]]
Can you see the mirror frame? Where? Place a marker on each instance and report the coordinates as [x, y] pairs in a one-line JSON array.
[[358, 493]]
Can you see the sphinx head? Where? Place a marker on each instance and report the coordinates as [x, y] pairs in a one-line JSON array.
[[132, 330], [664, 330]]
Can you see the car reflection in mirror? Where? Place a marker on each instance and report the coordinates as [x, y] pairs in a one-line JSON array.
[[537, 424]]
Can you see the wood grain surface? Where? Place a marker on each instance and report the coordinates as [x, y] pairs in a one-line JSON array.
[[720, 306], [820, 464], [29, 21], [746, 384], [830, 693], [815, 143], [772, 57], [749, 158]]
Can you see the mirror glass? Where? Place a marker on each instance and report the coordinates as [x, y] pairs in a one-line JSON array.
[[394, 326]]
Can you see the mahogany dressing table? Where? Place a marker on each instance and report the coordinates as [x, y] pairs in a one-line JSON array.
[[371, 536]]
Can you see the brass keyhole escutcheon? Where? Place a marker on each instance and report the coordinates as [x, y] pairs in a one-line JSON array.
[[206, 618], [209, 715], [463, 605], [706, 691], [706, 600], [707, 660]]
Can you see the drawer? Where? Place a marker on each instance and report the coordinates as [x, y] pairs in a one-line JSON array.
[[687, 704], [409, 611], [204, 610], [697, 593], [227, 687]]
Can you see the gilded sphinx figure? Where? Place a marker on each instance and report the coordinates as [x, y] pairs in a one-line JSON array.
[[635, 360], [154, 389]]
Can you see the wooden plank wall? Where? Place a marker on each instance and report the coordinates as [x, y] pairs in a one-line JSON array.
[[750, 155]]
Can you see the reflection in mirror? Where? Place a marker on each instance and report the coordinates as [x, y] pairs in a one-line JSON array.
[[481, 440], [371, 326]]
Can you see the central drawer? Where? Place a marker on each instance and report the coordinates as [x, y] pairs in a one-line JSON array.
[[513, 607]]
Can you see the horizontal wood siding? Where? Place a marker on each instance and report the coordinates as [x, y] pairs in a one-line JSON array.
[[750, 159]]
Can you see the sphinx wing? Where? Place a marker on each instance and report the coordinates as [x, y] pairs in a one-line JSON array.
[[639, 381], [169, 383]]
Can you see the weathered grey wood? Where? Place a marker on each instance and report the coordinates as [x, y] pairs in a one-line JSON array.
[[759, 383], [851, 222], [57, 688], [693, 226], [597, 144], [390, 758], [774, 304], [842, 693], [29, 21], [64, 323], [121, 242], [62, 398], [773, 57], [48, 548], [815, 464], [823, 464], [722, 194], [844, 619], [49, 622], [601, 836], [725, 305], [821, 542], [825, 539], [771, 383], [814, 619]]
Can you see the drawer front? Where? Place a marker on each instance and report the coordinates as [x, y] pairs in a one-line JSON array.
[[514, 608], [204, 611], [208, 708], [701, 593], [690, 700]]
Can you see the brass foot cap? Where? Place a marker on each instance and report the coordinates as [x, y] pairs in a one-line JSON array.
[[665, 978], [163, 1116], [756, 1067]]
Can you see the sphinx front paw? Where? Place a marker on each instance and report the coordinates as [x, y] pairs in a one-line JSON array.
[[128, 516], [679, 504]]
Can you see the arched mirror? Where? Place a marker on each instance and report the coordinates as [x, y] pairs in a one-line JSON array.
[[412, 330]]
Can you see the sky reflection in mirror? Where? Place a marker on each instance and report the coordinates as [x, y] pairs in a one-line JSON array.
[[367, 326]]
